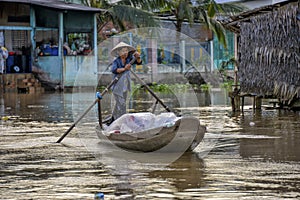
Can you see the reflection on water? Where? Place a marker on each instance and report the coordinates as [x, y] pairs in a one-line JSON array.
[[253, 155], [279, 132], [36, 107], [185, 173]]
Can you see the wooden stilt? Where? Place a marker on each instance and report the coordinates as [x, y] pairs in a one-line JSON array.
[[237, 102], [2, 82], [243, 102], [232, 104], [253, 102], [258, 102], [235, 99]]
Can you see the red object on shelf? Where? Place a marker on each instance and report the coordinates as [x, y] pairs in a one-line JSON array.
[[11, 53]]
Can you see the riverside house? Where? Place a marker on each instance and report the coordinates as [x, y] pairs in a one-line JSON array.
[[52, 38]]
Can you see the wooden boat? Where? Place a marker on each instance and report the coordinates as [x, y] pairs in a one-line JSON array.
[[184, 135]]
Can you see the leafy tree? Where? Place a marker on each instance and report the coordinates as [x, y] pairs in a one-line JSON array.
[[121, 13], [203, 11], [142, 13]]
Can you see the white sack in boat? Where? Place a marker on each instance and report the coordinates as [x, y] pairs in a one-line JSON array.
[[135, 122]]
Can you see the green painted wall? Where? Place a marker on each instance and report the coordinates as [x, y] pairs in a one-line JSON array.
[[222, 54]]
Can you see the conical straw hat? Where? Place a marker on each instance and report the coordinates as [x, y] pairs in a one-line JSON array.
[[115, 51]]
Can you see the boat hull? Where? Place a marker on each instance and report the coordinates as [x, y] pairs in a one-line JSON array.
[[184, 135]]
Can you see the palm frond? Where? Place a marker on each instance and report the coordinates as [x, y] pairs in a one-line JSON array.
[[138, 17], [148, 5], [211, 11], [219, 31], [185, 11]]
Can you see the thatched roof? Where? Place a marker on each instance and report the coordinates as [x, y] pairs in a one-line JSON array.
[[233, 23], [269, 49]]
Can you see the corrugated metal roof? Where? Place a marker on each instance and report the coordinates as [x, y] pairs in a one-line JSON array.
[[56, 4]]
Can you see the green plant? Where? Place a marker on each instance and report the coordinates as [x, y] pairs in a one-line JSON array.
[[205, 87], [227, 85], [162, 88]]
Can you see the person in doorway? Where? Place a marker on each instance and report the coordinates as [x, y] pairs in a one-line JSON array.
[[3, 57], [124, 53]]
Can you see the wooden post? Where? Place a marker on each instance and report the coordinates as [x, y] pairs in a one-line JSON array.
[[237, 103], [2, 82], [243, 102], [232, 104], [152, 59], [258, 102], [32, 35], [235, 99], [253, 102], [60, 47]]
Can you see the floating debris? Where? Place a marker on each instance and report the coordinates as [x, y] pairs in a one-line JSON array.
[[37, 106], [5, 118]]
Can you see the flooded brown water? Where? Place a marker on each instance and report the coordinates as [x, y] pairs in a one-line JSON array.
[[253, 155]]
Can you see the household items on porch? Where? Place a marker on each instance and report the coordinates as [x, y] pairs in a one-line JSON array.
[[44, 48], [18, 61], [78, 47], [47, 50]]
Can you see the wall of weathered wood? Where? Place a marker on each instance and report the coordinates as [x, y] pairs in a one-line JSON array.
[[269, 50]]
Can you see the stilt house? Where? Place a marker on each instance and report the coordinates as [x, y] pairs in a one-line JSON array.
[[269, 51]]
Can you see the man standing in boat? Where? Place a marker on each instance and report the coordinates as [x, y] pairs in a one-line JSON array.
[[121, 65]]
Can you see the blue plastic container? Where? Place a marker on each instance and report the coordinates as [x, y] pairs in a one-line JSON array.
[[10, 61], [47, 51], [54, 51]]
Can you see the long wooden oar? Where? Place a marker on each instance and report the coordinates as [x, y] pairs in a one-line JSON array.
[[74, 124], [88, 109], [149, 89], [115, 80]]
